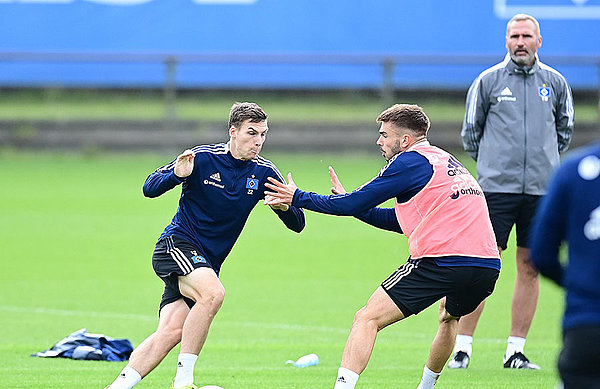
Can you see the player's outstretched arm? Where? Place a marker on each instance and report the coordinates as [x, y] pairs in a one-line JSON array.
[[384, 218], [169, 176]]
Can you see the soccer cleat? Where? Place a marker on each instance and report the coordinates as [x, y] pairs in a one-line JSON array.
[[188, 386], [460, 360], [520, 361]]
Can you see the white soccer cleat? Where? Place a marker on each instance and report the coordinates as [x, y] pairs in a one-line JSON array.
[[460, 360], [520, 361]]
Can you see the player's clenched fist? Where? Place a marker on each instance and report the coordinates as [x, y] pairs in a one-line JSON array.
[[184, 164]]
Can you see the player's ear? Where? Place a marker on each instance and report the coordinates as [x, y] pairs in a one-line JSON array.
[[406, 139], [232, 131]]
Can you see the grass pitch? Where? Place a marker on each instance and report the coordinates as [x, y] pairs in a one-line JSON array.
[[76, 239]]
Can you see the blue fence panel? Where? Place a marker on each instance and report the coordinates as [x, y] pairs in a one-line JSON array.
[[312, 27]]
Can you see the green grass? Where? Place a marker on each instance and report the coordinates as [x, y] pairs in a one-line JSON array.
[[76, 239], [329, 106]]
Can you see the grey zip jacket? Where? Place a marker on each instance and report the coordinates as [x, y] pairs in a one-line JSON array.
[[517, 121]]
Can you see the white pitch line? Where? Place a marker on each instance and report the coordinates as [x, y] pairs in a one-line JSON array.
[[131, 316], [267, 326], [65, 312]]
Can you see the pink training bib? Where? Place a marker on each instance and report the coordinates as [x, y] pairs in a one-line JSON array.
[[449, 216]]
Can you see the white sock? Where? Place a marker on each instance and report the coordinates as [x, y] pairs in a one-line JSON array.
[[429, 379], [464, 343], [127, 379], [346, 379], [185, 370], [515, 345]]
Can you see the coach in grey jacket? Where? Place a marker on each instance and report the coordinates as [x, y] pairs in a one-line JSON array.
[[517, 121], [519, 117]]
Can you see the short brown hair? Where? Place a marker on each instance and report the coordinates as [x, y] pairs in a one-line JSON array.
[[520, 17], [245, 111], [407, 116]]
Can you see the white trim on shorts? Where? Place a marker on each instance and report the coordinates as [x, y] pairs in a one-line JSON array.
[[400, 273], [178, 256]]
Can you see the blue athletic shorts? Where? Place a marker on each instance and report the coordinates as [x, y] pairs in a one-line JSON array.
[[420, 283]]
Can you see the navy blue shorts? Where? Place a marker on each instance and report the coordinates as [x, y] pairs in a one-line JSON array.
[[420, 283], [508, 209], [175, 257]]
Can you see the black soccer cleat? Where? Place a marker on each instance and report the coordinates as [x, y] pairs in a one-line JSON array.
[[520, 361], [460, 360]]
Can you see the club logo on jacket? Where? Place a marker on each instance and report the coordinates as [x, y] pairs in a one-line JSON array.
[[544, 92], [251, 184]]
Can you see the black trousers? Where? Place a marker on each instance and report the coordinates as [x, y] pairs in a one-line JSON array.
[[579, 360]]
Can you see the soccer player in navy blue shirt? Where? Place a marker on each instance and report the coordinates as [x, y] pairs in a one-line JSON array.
[[570, 212], [221, 184]]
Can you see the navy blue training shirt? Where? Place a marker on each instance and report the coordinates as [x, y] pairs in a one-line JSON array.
[[570, 212], [217, 198]]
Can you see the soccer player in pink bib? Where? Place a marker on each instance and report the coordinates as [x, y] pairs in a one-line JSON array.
[[441, 209]]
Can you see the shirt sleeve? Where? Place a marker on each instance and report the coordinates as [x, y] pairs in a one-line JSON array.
[[161, 180], [384, 218], [475, 117], [548, 230], [293, 218], [565, 116], [403, 177]]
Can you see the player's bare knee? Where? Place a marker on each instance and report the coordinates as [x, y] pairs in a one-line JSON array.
[[360, 316], [213, 299], [528, 271], [364, 316], [525, 267], [218, 298]]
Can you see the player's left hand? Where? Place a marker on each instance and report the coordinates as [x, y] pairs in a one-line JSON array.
[[278, 207], [281, 193]]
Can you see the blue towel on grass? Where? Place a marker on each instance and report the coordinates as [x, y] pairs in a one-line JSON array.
[[83, 345]]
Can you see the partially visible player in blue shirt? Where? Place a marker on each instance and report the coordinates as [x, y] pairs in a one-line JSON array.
[[221, 184], [570, 212]]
